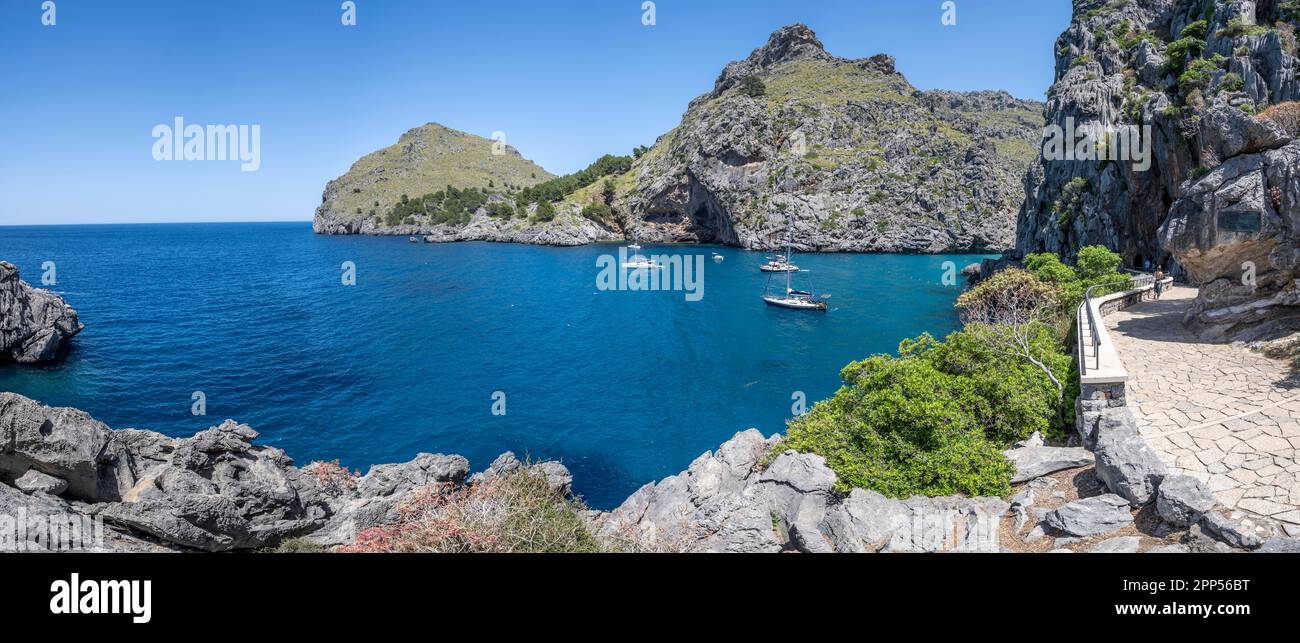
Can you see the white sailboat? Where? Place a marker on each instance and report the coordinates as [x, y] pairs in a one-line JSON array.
[[637, 261], [793, 299]]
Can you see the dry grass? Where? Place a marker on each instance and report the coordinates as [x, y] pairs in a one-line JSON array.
[[513, 513], [1285, 114]]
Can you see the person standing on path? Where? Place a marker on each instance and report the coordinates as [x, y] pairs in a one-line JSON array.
[[1160, 281]]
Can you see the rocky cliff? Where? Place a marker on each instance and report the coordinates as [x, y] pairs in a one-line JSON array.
[[862, 160], [1155, 66], [34, 323], [1201, 82]]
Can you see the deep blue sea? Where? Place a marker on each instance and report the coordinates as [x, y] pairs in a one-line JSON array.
[[623, 387]]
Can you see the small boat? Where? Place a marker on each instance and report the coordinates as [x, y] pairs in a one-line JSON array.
[[637, 261], [414, 239], [779, 264], [717, 258], [791, 298]]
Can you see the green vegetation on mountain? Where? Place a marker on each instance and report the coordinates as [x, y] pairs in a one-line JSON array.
[[444, 206], [559, 188], [425, 159]]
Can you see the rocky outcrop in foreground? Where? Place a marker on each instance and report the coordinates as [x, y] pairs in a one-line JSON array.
[[34, 323], [217, 491]]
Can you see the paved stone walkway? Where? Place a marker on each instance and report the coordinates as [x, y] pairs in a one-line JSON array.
[[1217, 412]]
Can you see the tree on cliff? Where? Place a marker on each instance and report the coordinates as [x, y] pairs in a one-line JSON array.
[[1008, 312]]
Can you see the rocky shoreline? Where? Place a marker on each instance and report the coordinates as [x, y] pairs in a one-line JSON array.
[[217, 491]]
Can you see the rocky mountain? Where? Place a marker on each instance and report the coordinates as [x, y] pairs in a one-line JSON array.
[[34, 323], [858, 157], [425, 159]]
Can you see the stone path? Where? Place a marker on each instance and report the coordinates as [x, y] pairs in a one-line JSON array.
[[1217, 412]]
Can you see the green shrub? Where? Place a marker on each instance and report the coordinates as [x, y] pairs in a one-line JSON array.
[[598, 212], [500, 210], [1231, 83], [753, 86], [545, 212], [1198, 30], [1197, 75], [558, 188], [1238, 29], [1180, 51], [933, 420]]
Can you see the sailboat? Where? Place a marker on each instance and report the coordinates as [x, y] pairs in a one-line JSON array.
[[794, 299], [637, 261]]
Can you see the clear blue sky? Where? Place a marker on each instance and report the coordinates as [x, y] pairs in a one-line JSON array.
[[566, 80]]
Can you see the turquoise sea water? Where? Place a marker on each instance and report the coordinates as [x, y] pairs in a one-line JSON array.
[[623, 387]]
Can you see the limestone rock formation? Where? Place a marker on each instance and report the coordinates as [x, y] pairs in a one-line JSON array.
[[1236, 232], [34, 323], [1175, 70], [724, 503], [858, 157]]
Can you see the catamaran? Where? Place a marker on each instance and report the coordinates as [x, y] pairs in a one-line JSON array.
[[795, 299]]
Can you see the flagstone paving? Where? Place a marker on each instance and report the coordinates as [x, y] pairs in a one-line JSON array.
[[1217, 412]]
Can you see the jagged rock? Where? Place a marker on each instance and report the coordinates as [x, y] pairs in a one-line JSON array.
[[1100, 81], [1121, 545], [1037, 461], [715, 505], [36, 482], [1169, 549], [1091, 516], [1125, 463], [1200, 541], [558, 477], [1182, 499], [34, 323], [1237, 223], [379, 493], [1227, 132], [1229, 531], [218, 492], [1280, 546], [65, 443], [213, 491]]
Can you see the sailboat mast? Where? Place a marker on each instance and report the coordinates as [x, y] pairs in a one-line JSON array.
[[789, 241]]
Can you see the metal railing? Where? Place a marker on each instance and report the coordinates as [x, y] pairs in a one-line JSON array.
[[1138, 282]]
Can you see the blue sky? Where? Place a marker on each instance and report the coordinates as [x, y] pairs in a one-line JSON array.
[[565, 80]]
